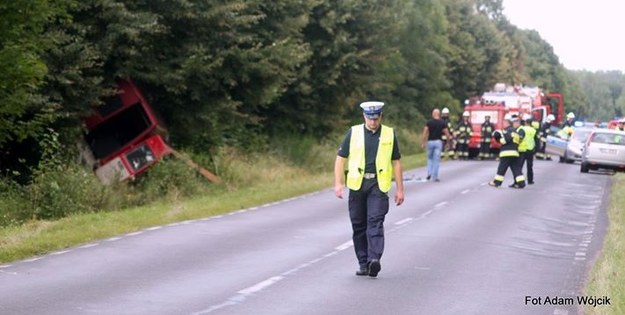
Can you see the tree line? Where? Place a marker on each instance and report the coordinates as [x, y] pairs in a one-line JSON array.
[[237, 73]]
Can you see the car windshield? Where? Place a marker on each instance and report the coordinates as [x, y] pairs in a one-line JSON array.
[[609, 138], [581, 134]]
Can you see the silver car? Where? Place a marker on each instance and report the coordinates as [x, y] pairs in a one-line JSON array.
[[605, 149], [569, 150]]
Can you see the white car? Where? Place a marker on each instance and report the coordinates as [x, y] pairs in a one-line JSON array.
[[604, 149]]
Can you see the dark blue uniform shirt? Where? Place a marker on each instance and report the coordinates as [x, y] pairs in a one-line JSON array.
[[372, 139]]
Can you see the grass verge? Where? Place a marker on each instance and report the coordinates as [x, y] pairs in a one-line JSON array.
[[608, 274], [41, 237]]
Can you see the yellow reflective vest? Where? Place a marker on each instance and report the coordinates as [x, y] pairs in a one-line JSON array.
[[383, 164], [528, 143]]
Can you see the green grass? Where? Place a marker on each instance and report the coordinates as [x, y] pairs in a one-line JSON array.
[[608, 274], [259, 181]]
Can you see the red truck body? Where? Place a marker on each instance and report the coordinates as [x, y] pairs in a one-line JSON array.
[[512, 100], [124, 136]]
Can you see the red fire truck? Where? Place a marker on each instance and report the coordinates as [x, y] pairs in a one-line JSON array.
[[514, 100], [123, 136]]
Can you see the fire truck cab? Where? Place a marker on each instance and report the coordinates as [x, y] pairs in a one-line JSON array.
[[123, 136], [513, 100]]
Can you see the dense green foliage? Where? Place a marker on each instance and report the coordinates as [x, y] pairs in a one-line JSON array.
[[245, 73]]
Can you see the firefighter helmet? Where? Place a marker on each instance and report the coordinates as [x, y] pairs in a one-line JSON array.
[[445, 111], [527, 116], [551, 118], [466, 114], [570, 115]]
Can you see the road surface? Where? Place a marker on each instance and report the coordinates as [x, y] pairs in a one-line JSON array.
[[455, 247]]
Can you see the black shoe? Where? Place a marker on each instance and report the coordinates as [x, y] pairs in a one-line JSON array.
[[517, 186], [530, 183], [437, 180], [374, 267], [493, 184], [428, 178], [363, 271]]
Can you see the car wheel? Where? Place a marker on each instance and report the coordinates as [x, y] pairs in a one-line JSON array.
[[561, 160], [584, 168]]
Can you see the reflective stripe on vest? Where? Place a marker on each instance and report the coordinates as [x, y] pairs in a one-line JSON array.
[[528, 143], [383, 165]]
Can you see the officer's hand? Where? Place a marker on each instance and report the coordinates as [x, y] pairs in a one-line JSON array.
[[338, 190], [399, 197]]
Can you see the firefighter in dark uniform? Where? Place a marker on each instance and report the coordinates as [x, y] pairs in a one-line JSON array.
[[462, 136], [543, 132], [372, 152], [510, 138], [486, 136], [448, 147]]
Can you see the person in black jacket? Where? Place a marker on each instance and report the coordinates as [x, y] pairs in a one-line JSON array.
[[510, 138]]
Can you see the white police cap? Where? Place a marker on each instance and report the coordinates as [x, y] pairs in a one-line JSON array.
[[372, 109]]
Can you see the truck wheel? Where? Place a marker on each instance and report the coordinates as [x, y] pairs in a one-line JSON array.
[[584, 168], [561, 160]]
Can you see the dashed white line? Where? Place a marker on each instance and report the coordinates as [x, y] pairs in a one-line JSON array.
[[406, 220], [134, 233], [154, 228], [344, 246], [261, 285], [580, 254], [113, 239], [441, 204]]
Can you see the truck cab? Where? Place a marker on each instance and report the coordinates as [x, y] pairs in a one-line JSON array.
[[123, 136]]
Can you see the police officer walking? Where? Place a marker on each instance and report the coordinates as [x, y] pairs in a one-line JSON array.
[[510, 138], [486, 136], [373, 158], [463, 135]]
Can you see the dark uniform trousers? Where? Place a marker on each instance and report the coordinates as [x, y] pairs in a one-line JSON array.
[[528, 157], [515, 164], [367, 209]]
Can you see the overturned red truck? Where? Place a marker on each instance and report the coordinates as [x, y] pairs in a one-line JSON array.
[[123, 136], [513, 100]]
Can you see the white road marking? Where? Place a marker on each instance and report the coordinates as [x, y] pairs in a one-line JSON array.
[[32, 259], [441, 204], [260, 286], [9, 272], [5, 266], [60, 252], [89, 245], [113, 239], [465, 191], [406, 220], [344, 246], [134, 233], [580, 254], [154, 228]]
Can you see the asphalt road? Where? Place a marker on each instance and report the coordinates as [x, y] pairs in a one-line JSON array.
[[454, 247]]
